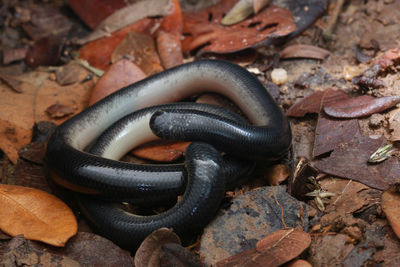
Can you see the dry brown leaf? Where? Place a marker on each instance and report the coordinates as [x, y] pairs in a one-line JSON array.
[[18, 112], [391, 208], [273, 250], [35, 214], [161, 150], [126, 16], [59, 111], [361, 106], [394, 125], [298, 263], [148, 254], [120, 74], [272, 22], [304, 51], [277, 174], [13, 82]]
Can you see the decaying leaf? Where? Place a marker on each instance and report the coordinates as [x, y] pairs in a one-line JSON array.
[[350, 160], [361, 106], [141, 50], [304, 51], [330, 133], [120, 74], [391, 208], [148, 254], [394, 125], [59, 111], [272, 22], [126, 16], [35, 214], [173, 254], [68, 74], [313, 103], [273, 250]]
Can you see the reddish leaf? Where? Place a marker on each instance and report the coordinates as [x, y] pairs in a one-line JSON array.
[[120, 74], [330, 133], [314, 102], [141, 49], [272, 22], [162, 151], [36, 214], [304, 51], [170, 50], [273, 250], [361, 106], [391, 208], [92, 12], [350, 160], [98, 53]]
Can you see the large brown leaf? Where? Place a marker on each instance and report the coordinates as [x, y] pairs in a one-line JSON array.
[[204, 28], [35, 214]]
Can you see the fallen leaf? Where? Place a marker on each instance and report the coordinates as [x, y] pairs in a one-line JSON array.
[[173, 254], [68, 74], [98, 53], [394, 125], [298, 263], [140, 48], [36, 214], [18, 112], [360, 106], [329, 250], [304, 51], [273, 250], [31, 175], [161, 150], [350, 160], [260, 4], [11, 55], [391, 208], [331, 132], [277, 174], [45, 52], [272, 22], [13, 82], [391, 249], [169, 37], [21, 252], [59, 111], [240, 11], [93, 12], [148, 254], [126, 16], [120, 74], [313, 103], [33, 152], [91, 250]]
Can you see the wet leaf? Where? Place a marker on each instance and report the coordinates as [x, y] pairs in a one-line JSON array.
[[391, 208], [273, 250], [313, 103], [120, 74], [141, 49], [304, 51], [173, 254], [148, 254], [36, 214], [126, 16], [361, 106], [350, 160], [330, 133], [59, 110], [98, 53], [272, 22], [161, 151]]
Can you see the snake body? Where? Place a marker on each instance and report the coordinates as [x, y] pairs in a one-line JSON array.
[[69, 165]]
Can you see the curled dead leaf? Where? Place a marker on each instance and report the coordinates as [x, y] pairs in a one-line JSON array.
[[35, 214], [148, 254]]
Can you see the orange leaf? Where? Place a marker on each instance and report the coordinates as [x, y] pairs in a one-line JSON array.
[[35, 214]]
